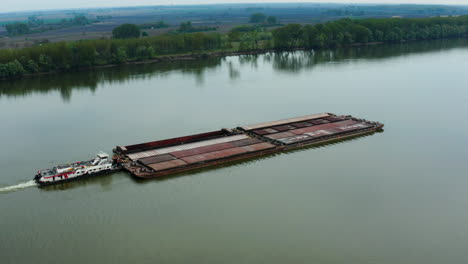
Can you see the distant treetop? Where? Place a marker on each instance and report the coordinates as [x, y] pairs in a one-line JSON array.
[[260, 18], [257, 18], [126, 31]]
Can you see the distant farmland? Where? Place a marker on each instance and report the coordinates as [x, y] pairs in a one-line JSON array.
[[222, 16]]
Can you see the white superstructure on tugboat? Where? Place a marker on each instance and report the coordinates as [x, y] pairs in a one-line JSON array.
[[66, 172]]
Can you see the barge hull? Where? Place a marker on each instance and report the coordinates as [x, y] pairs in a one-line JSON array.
[[162, 158]]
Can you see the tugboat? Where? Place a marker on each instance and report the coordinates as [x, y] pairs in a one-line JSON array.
[[78, 170]]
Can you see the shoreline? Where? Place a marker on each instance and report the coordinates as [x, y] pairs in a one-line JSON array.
[[195, 56], [180, 57]]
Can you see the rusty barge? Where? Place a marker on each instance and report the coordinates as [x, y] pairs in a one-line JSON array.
[[164, 157]]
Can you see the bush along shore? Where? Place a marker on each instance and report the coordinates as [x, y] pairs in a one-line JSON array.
[[69, 56]]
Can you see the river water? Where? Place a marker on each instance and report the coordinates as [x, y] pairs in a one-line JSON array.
[[393, 197]]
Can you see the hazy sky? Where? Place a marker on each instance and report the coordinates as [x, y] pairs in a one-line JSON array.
[[24, 5]]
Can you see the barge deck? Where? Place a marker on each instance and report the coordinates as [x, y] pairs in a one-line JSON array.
[[165, 157]]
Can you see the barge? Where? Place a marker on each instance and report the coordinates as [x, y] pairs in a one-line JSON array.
[[164, 157]]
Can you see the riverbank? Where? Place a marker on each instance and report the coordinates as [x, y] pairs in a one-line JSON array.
[[196, 56], [181, 57]]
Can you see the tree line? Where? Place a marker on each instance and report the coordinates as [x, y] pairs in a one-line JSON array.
[[187, 27], [67, 56], [348, 32], [260, 18], [34, 25]]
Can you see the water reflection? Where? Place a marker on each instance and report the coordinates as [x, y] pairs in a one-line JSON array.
[[234, 74], [249, 59], [287, 62], [65, 83], [294, 62]]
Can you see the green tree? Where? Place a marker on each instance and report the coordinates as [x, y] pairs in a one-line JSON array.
[[186, 27], [196, 41], [360, 33], [378, 35], [80, 20], [288, 36], [45, 63], [31, 66], [271, 20], [257, 18], [161, 24], [249, 41], [4, 73], [17, 29], [15, 69], [84, 54], [126, 31], [234, 35], [295, 33], [143, 52], [310, 36], [120, 55]]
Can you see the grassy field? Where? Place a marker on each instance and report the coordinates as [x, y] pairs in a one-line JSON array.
[[222, 16]]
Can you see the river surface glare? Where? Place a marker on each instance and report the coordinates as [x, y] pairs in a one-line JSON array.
[[394, 197]]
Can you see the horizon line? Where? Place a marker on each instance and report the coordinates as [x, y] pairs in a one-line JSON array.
[[229, 3]]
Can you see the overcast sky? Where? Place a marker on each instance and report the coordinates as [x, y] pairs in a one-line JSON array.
[[25, 5]]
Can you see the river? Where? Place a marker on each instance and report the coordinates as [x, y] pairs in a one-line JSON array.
[[393, 197]]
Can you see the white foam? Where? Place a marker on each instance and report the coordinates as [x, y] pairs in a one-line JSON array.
[[18, 186]]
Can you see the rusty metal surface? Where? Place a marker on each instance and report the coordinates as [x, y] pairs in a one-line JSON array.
[[283, 128], [156, 159], [227, 152], [271, 130], [201, 150], [190, 167], [350, 127], [319, 133], [322, 126], [334, 118], [261, 132], [318, 122], [154, 152], [172, 141], [167, 164], [334, 130], [300, 124], [331, 128], [295, 139], [284, 121], [214, 155], [259, 146], [195, 158], [346, 122], [280, 135], [245, 142]]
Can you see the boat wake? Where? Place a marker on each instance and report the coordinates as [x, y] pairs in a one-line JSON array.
[[18, 186]]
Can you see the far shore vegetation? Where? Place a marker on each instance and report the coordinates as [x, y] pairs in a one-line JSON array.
[[129, 44], [36, 25]]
